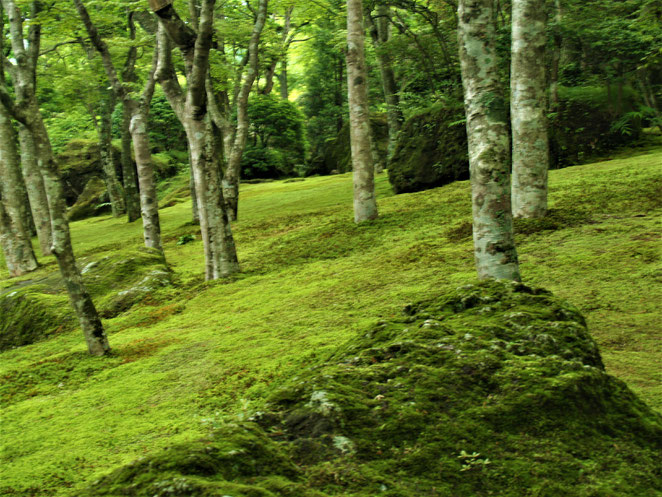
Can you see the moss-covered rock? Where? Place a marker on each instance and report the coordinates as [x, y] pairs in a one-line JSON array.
[[431, 151], [495, 389], [36, 309], [335, 156], [79, 162], [93, 201]]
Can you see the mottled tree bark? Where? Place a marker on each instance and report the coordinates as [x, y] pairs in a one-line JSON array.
[[528, 104], [233, 168], [115, 191], [25, 109], [19, 255], [487, 130], [137, 109], [556, 58], [365, 203], [191, 107], [381, 34]]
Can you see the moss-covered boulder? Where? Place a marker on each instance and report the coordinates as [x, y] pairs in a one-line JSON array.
[[79, 162], [431, 151], [93, 201], [34, 310], [494, 389], [335, 156]]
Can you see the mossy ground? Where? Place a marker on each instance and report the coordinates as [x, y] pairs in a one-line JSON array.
[[200, 354]]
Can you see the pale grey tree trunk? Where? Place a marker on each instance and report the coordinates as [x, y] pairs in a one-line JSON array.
[[381, 34], [487, 130], [131, 193], [34, 184], [233, 168], [556, 57], [25, 109], [137, 109], [365, 203], [528, 105], [192, 108], [113, 185]]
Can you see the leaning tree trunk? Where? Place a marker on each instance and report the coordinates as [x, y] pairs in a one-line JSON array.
[[19, 255], [113, 185], [487, 130], [34, 184], [365, 203], [233, 168], [528, 104]]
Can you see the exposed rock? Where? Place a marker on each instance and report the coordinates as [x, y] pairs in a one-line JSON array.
[[431, 151], [494, 389]]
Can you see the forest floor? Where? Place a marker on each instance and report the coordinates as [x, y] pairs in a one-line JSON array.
[[195, 354]]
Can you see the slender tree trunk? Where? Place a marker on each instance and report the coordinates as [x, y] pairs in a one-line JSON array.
[[487, 130], [233, 169], [381, 35], [35, 187], [131, 193], [365, 203], [149, 205], [528, 104], [556, 58], [19, 255], [195, 213], [283, 80], [115, 191]]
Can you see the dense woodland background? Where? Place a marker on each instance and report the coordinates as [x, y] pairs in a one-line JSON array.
[[126, 129]]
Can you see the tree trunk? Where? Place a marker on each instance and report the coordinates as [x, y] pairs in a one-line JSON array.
[[149, 204], [131, 193], [365, 204], [381, 35], [19, 255], [528, 109], [115, 191], [34, 184], [282, 80], [195, 213], [487, 130], [233, 169], [556, 58]]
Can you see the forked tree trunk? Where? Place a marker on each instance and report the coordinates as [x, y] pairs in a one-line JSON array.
[[365, 203], [233, 169], [528, 104], [206, 149], [17, 247], [487, 130]]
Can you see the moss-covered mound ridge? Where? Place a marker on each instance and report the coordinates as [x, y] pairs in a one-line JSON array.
[[494, 389]]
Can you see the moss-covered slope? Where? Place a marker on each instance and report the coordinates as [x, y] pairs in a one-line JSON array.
[[494, 389]]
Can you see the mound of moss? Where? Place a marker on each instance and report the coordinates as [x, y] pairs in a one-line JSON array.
[[494, 389], [431, 151], [93, 201], [116, 283]]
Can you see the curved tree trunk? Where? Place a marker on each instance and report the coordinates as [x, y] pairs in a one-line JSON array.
[[233, 169], [365, 204], [489, 151], [528, 108]]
